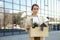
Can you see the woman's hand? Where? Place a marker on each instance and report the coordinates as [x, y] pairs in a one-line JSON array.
[[27, 27]]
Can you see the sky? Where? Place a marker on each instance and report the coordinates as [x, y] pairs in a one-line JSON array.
[[52, 6]]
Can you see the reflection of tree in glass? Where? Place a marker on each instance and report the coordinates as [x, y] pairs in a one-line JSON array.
[[16, 19], [7, 19]]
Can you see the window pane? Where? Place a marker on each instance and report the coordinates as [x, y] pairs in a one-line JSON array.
[[8, 21], [46, 13], [50, 14], [46, 2], [1, 0], [41, 12], [42, 4], [7, 10], [58, 6], [28, 8], [8, 5], [23, 2], [1, 4], [28, 2], [38, 2], [1, 21], [16, 1], [46, 8], [8, 0], [58, 10], [10, 11], [23, 8], [33, 2], [54, 5], [50, 5], [15, 11], [16, 19], [15, 6], [1, 10]]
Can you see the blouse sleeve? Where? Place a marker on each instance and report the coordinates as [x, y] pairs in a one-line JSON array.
[[45, 20]]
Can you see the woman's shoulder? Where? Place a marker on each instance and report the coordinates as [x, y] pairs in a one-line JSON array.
[[29, 17]]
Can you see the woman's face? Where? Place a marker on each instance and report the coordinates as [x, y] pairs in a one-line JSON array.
[[35, 9]]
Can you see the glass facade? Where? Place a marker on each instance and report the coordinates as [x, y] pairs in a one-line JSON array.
[[13, 12]]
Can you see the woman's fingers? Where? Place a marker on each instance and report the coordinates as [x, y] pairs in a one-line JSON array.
[[27, 27]]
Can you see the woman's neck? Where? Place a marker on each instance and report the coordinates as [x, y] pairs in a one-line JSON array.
[[34, 15]]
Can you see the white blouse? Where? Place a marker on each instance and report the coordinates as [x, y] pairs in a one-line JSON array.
[[36, 20], [39, 20]]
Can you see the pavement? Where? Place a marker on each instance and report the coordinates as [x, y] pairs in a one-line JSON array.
[[53, 35]]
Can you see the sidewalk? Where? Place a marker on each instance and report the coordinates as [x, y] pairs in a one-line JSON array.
[[54, 35]]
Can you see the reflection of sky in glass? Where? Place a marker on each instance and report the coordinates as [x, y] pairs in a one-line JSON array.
[[46, 2], [23, 2], [52, 6], [23, 8], [1, 4], [42, 4], [15, 6], [16, 1], [29, 2], [8, 5], [33, 1], [28, 8], [8, 0]]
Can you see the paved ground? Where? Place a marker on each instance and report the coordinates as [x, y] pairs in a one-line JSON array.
[[54, 35]]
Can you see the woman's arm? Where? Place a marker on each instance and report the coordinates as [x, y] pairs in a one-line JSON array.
[[45, 21], [27, 26]]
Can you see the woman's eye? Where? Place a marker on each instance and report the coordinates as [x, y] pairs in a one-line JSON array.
[[34, 8], [37, 8]]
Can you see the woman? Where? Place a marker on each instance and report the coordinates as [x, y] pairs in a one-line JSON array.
[[33, 23]]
